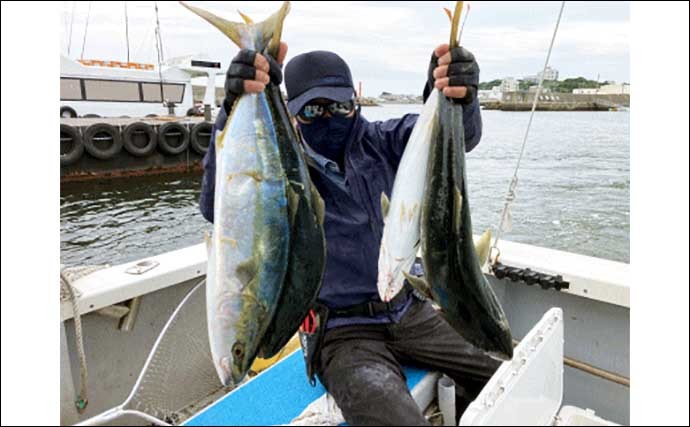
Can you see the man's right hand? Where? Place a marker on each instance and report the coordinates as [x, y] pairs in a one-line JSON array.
[[250, 72]]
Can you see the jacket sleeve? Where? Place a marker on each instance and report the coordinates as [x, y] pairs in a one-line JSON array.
[[208, 183], [393, 135], [471, 118]]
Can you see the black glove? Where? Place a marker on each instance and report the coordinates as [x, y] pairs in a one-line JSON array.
[[241, 69], [463, 70]]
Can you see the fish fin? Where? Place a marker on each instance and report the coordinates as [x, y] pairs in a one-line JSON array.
[[482, 246], [275, 25], [455, 24], [247, 20], [419, 284], [246, 271], [385, 204], [319, 205], [207, 240], [449, 13], [457, 211], [269, 31], [234, 30], [293, 203]]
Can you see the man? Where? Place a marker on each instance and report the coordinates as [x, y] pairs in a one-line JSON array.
[[352, 161]]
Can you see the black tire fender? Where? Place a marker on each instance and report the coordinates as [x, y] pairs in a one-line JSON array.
[[103, 141], [71, 145], [201, 137], [67, 112], [173, 138], [139, 139]]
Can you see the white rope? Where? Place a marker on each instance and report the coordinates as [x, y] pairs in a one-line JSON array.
[[506, 217], [68, 292], [82, 398]]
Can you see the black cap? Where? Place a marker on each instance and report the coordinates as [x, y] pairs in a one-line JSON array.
[[317, 74]]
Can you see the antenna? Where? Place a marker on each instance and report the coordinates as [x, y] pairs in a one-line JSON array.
[[159, 51], [71, 25], [86, 29], [127, 30]]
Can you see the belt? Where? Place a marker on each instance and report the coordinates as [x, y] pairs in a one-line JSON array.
[[373, 308]]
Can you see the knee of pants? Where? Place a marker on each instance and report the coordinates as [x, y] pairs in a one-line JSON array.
[[362, 384]]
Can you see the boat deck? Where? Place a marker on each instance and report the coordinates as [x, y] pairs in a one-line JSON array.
[[280, 394]]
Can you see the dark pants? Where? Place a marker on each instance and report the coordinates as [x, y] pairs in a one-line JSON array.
[[361, 366]]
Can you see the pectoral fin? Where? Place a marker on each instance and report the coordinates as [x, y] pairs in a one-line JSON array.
[[319, 205], [385, 205], [483, 246], [419, 284], [247, 270], [207, 240], [457, 212], [293, 203]]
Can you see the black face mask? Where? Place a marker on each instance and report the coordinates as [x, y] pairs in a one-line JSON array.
[[328, 136]]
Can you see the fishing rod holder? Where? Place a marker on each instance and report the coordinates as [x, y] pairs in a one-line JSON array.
[[530, 277]]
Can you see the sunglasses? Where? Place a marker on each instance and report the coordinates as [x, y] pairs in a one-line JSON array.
[[313, 111]]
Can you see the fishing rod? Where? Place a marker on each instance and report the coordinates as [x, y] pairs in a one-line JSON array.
[[506, 216]]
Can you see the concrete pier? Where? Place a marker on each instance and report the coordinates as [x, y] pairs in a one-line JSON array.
[[102, 148]]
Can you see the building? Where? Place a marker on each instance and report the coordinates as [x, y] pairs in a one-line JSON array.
[[533, 89], [549, 74], [509, 84], [586, 91], [615, 89], [611, 89], [493, 94]]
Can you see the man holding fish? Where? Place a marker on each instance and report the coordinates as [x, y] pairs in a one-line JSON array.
[[364, 322], [362, 340]]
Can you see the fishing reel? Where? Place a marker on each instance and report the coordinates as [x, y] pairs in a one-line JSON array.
[[529, 277]]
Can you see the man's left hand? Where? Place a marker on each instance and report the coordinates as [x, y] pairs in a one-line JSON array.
[[455, 72]]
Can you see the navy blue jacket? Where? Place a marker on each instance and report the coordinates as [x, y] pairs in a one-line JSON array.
[[353, 222]]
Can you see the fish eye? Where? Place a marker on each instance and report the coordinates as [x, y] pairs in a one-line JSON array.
[[238, 350]]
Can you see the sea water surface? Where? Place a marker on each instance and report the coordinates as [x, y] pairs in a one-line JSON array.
[[573, 192]]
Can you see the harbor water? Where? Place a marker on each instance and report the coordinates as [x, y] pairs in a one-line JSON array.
[[573, 192]]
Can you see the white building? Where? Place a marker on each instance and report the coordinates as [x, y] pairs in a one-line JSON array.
[[534, 88], [493, 94], [509, 84], [615, 89], [586, 91], [612, 89], [549, 74]]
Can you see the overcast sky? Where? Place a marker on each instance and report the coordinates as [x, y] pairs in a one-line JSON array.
[[386, 44]]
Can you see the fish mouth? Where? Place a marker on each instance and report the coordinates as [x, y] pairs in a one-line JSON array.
[[230, 375], [224, 368], [387, 282], [384, 285], [238, 374]]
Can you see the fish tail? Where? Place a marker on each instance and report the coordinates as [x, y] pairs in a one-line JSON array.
[[455, 24], [261, 36]]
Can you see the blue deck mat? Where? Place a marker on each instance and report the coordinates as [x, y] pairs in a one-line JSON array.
[[276, 396]]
